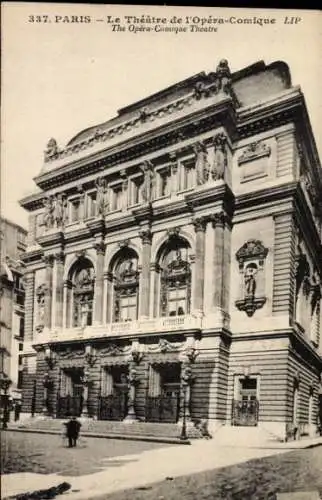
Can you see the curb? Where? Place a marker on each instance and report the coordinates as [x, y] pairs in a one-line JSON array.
[[110, 435]]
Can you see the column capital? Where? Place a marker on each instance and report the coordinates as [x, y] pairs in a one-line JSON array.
[[146, 236], [100, 247], [48, 260], [60, 257], [154, 266], [199, 147], [200, 224], [219, 140], [221, 219]]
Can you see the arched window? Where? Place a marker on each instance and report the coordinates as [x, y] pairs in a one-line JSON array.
[[82, 278], [175, 291], [126, 286]]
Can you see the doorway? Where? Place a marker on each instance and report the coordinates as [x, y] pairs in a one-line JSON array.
[[164, 404], [245, 406], [70, 400]]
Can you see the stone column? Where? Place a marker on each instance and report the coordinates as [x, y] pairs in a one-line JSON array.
[[59, 306], [99, 282], [49, 261], [218, 222], [146, 237], [200, 225]]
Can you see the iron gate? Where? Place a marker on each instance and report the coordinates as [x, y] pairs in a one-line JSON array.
[[163, 409], [245, 412], [113, 407], [69, 405]]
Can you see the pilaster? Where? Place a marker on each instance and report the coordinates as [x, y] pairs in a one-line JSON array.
[[99, 282], [200, 225], [146, 238]]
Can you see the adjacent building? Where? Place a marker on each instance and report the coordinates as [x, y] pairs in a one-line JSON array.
[[174, 260], [13, 244]]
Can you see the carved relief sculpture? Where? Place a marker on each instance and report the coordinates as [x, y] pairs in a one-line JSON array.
[[251, 257]]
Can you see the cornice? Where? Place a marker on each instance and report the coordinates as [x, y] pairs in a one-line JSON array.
[[266, 195], [217, 192], [216, 114]]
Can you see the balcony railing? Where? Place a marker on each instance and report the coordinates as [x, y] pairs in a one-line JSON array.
[[141, 326]]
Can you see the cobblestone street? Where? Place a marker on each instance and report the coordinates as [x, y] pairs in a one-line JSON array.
[[47, 454]]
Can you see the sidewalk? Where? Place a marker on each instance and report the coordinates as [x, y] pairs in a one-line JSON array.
[[149, 467]]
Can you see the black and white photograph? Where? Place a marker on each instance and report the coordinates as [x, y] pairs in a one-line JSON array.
[[161, 252]]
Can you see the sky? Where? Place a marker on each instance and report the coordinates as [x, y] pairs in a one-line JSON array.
[[60, 77]]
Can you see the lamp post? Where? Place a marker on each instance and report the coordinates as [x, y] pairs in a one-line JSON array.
[[183, 435], [5, 384]]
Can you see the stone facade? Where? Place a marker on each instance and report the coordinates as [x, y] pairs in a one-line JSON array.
[[12, 292], [174, 261]]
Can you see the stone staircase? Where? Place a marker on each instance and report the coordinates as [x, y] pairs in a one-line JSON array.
[[150, 431]]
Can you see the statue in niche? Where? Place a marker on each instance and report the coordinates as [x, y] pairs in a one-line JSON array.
[[49, 212], [202, 164], [101, 197], [147, 186], [250, 280], [220, 160], [58, 210]]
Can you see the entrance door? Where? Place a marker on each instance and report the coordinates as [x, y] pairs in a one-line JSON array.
[[245, 408], [164, 405], [114, 406], [70, 401]]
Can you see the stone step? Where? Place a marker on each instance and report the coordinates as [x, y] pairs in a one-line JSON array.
[[112, 427]]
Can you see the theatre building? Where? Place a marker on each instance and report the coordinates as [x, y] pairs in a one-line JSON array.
[[174, 260]]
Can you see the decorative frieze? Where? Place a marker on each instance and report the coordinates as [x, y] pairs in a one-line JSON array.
[[254, 151]]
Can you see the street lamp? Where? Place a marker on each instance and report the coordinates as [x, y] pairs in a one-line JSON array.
[[5, 384], [183, 435]]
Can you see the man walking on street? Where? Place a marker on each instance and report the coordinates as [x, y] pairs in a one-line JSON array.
[[72, 431]]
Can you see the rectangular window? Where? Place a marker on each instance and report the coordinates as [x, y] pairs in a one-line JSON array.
[[21, 327], [20, 377], [135, 195], [164, 182], [177, 300], [91, 205], [74, 210], [128, 308], [117, 197], [187, 174]]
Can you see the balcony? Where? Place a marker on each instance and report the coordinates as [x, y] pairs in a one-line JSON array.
[[128, 328]]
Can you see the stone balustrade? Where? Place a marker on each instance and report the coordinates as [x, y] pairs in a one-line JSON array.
[[138, 327]]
